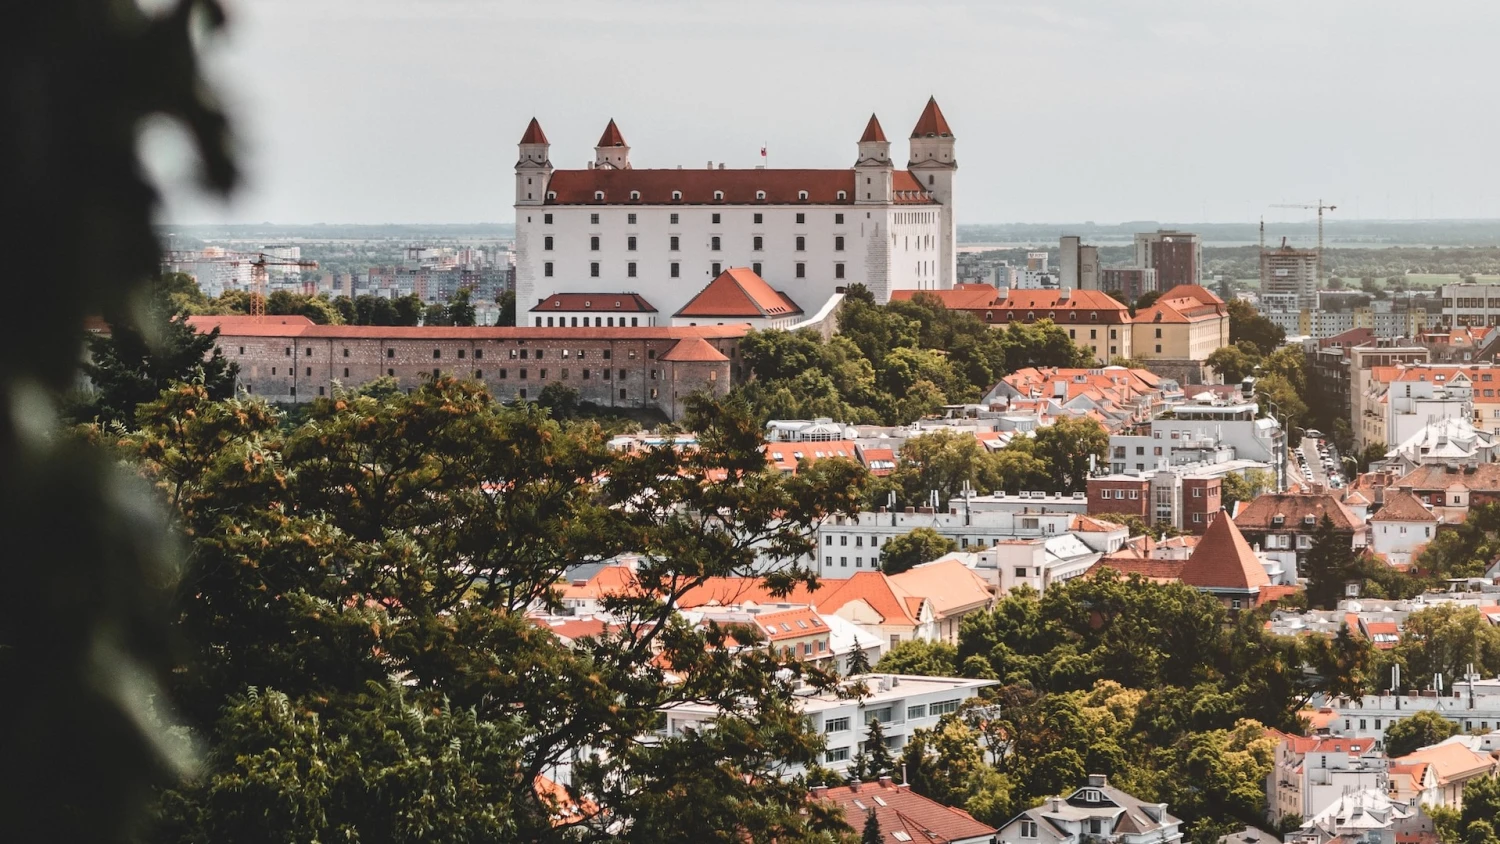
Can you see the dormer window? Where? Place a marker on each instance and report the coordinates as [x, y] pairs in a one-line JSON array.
[[588, 303], [551, 194], [718, 194], [599, 195], [677, 194], [760, 194], [1278, 520], [635, 194], [843, 195], [802, 194], [617, 303]]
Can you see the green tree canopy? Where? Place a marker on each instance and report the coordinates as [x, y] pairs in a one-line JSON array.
[[921, 545], [1421, 729], [1245, 323]]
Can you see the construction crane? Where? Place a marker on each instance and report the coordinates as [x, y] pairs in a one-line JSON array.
[[256, 261], [1320, 209]]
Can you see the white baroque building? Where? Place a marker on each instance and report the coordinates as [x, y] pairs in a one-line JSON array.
[[664, 234]]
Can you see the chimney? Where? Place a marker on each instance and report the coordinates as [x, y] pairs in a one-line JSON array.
[[710, 165], [818, 791], [886, 782], [854, 784], [1098, 780]]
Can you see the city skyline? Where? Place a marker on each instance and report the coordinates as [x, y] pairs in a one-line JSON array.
[[1167, 111]]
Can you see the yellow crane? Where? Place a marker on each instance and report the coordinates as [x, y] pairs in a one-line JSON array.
[[1320, 208]]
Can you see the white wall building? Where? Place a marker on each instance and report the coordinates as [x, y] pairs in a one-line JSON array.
[[1471, 304], [665, 233], [902, 704]]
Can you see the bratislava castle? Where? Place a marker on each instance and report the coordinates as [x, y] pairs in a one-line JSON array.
[[664, 234]]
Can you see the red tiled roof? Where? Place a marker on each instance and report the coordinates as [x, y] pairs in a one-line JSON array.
[[1485, 477], [728, 591], [300, 327], [950, 585], [1340, 744], [790, 624], [534, 133], [901, 810], [1161, 571], [963, 297], [878, 591], [1193, 291], [1224, 560], [784, 456], [739, 293], [1295, 507], [1403, 506], [610, 580], [693, 350], [1276, 592], [932, 123], [611, 136], [1161, 312], [873, 132], [619, 302], [697, 187]]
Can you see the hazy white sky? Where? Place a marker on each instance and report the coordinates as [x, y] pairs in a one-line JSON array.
[[372, 111]]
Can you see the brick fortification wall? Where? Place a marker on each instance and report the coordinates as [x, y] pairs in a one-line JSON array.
[[286, 361]]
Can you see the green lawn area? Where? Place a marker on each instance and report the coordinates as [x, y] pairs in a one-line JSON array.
[[1435, 280]]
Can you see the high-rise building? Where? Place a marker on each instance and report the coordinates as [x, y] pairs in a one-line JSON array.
[[1290, 271], [1131, 282], [1078, 264], [1176, 256]]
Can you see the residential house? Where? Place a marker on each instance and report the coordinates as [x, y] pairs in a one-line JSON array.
[[1282, 524], [1097, 813], [1402, 528], [1360, 817], [1311, 772], [1180, 330], [1449, 766], [951, 589], [903, 815]]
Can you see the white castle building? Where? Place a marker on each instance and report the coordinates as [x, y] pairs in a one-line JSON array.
[[665, 234]]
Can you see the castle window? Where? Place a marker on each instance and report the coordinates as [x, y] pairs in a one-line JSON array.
[[755, 268], [437, 353], [674, 243], [551, 194], [630, 243], [838, 243], [758, 243], [479, 375], [547, 269], [674, 219], [594, 270], [599, 195], [717, 268], [479, 354], [460, 354], [622, 395], [929, 178], [801, 218], [842, 195], [635, 194], [676, 194], [714, 243], [390, 353], [630, 270], [547, 243], [718, 194], [346, 372], [760, 194], [838, 270], [802, 194], [716, 219], [547, 218], [594, 243], [838, 219], [675, 271], [801, 271], [801, 243]]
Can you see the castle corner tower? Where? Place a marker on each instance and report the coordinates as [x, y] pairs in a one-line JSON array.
[[873, 169], [612, 153], [933, 161]]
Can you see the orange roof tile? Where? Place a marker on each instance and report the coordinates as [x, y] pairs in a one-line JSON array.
[[786, 456], [697, 187], [533, 133], [932, 123], [1452, 762], [730, 591], [301, 327], [963, 297], [610, 580], [601, 302], [876, 589], [873, 132], [1160, 571], [1224, 560], [611, 136], [693, 350], [1403, 506], [739, 293], [790, 624], [1294, 507], [949, 584], [898, 809]]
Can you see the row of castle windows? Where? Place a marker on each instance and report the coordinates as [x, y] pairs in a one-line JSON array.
[[521, 354], [677, 195], [715, 218], [674, 270], [715, 243]]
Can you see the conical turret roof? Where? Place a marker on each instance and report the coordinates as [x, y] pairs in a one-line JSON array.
[[1224, 560], [873, 132], [932, 123], [534, 134], [611, 136]]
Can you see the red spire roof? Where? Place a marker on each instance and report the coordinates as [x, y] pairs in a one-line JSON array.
[[534, 133], [1224, 560], [932, 123], [611, 136], [873, 132]]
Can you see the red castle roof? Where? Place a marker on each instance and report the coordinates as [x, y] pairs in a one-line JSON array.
[[932, 123], [534, 134], [739, 293], [611, 136], [1224, 560], [873, 132]]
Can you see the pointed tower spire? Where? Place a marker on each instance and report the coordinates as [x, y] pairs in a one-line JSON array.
[[611, 136], [873, 132], [534, 133], [612, 153], [932, 124]]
